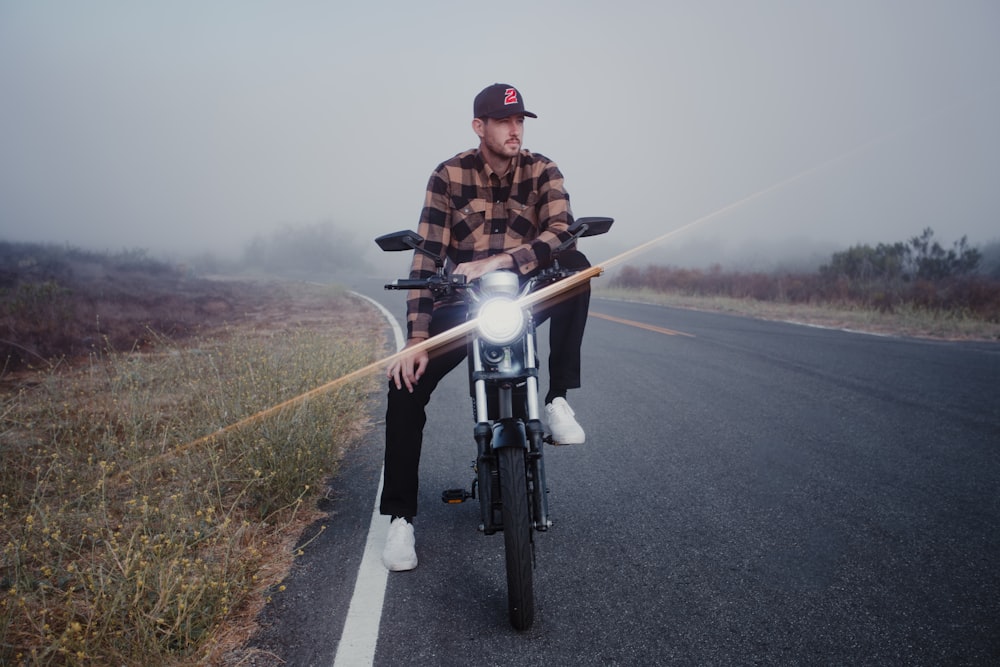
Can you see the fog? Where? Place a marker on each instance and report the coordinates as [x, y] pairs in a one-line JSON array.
[[183, 127]]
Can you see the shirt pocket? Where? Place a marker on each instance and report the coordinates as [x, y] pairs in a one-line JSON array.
[[468, 220], [522, 217]]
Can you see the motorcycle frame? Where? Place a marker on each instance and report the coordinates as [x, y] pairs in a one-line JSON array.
[[499, 425]]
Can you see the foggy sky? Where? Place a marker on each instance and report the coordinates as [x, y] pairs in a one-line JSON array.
[[186, 126]]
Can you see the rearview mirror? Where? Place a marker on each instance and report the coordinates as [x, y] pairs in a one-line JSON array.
[[397, 241], [595, 226]]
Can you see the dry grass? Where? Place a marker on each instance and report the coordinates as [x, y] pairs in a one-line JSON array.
[[904, 321], [117, 549]]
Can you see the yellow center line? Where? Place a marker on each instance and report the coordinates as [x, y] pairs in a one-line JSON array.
[[641, 325]]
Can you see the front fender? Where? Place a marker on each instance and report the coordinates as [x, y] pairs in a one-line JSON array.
[[509, 433]]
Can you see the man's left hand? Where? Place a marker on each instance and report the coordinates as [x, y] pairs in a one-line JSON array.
[[480, 267]]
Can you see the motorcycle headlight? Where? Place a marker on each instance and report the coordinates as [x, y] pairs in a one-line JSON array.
[[500, 321]]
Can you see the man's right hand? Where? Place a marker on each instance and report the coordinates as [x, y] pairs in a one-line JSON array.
[[407, 369]]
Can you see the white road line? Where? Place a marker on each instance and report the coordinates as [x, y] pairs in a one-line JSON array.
[[396, 329], [360, 635]]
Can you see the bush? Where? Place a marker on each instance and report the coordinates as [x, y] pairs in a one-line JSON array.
[[886, 277], [973, 296], [299, 250]]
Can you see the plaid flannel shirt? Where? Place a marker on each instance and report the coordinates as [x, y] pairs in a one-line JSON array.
[[471, 213]]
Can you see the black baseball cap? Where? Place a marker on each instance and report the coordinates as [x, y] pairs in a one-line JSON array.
[[499, 101]]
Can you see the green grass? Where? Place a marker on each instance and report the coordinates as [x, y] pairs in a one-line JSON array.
[[123, 544]]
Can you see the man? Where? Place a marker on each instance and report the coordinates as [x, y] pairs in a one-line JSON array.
[[494, 207]]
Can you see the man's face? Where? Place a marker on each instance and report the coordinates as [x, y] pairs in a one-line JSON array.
[[502, 136]]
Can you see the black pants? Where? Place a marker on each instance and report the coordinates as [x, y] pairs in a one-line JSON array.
[[406, 415]]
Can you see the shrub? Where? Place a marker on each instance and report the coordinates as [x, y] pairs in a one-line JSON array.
[[886, 277]]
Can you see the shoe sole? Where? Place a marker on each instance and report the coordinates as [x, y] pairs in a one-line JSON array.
[[401, 568], [555, 443]]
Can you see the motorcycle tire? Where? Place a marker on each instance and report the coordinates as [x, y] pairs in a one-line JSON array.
[[517, 537]]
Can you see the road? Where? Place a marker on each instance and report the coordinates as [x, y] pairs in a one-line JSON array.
[[750, 493]]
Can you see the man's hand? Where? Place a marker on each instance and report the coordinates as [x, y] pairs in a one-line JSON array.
[[480, 267], [408, 368]]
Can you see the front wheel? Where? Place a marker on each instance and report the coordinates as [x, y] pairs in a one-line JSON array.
[[516, 537]]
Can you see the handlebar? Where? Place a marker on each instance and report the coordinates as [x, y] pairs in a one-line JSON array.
[[436, 283], [403, 283], [442, 283]]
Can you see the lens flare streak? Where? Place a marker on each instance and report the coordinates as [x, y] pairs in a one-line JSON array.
[[545, 294]]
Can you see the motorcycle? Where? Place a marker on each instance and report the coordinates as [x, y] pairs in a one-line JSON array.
[[509, 480]]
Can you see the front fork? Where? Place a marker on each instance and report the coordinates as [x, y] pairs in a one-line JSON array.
[[508, 431]]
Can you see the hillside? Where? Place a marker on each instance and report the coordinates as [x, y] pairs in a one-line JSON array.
[[58, 302]]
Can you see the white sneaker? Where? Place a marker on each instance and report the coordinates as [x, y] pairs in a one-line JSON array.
[[565, 430], [399, 554]]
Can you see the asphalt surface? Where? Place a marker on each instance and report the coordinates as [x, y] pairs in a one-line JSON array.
[[750, 493]]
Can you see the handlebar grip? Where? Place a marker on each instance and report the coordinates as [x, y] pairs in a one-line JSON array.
[[407, 283]]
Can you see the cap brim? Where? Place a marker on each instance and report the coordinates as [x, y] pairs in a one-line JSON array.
[[500, 114]]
